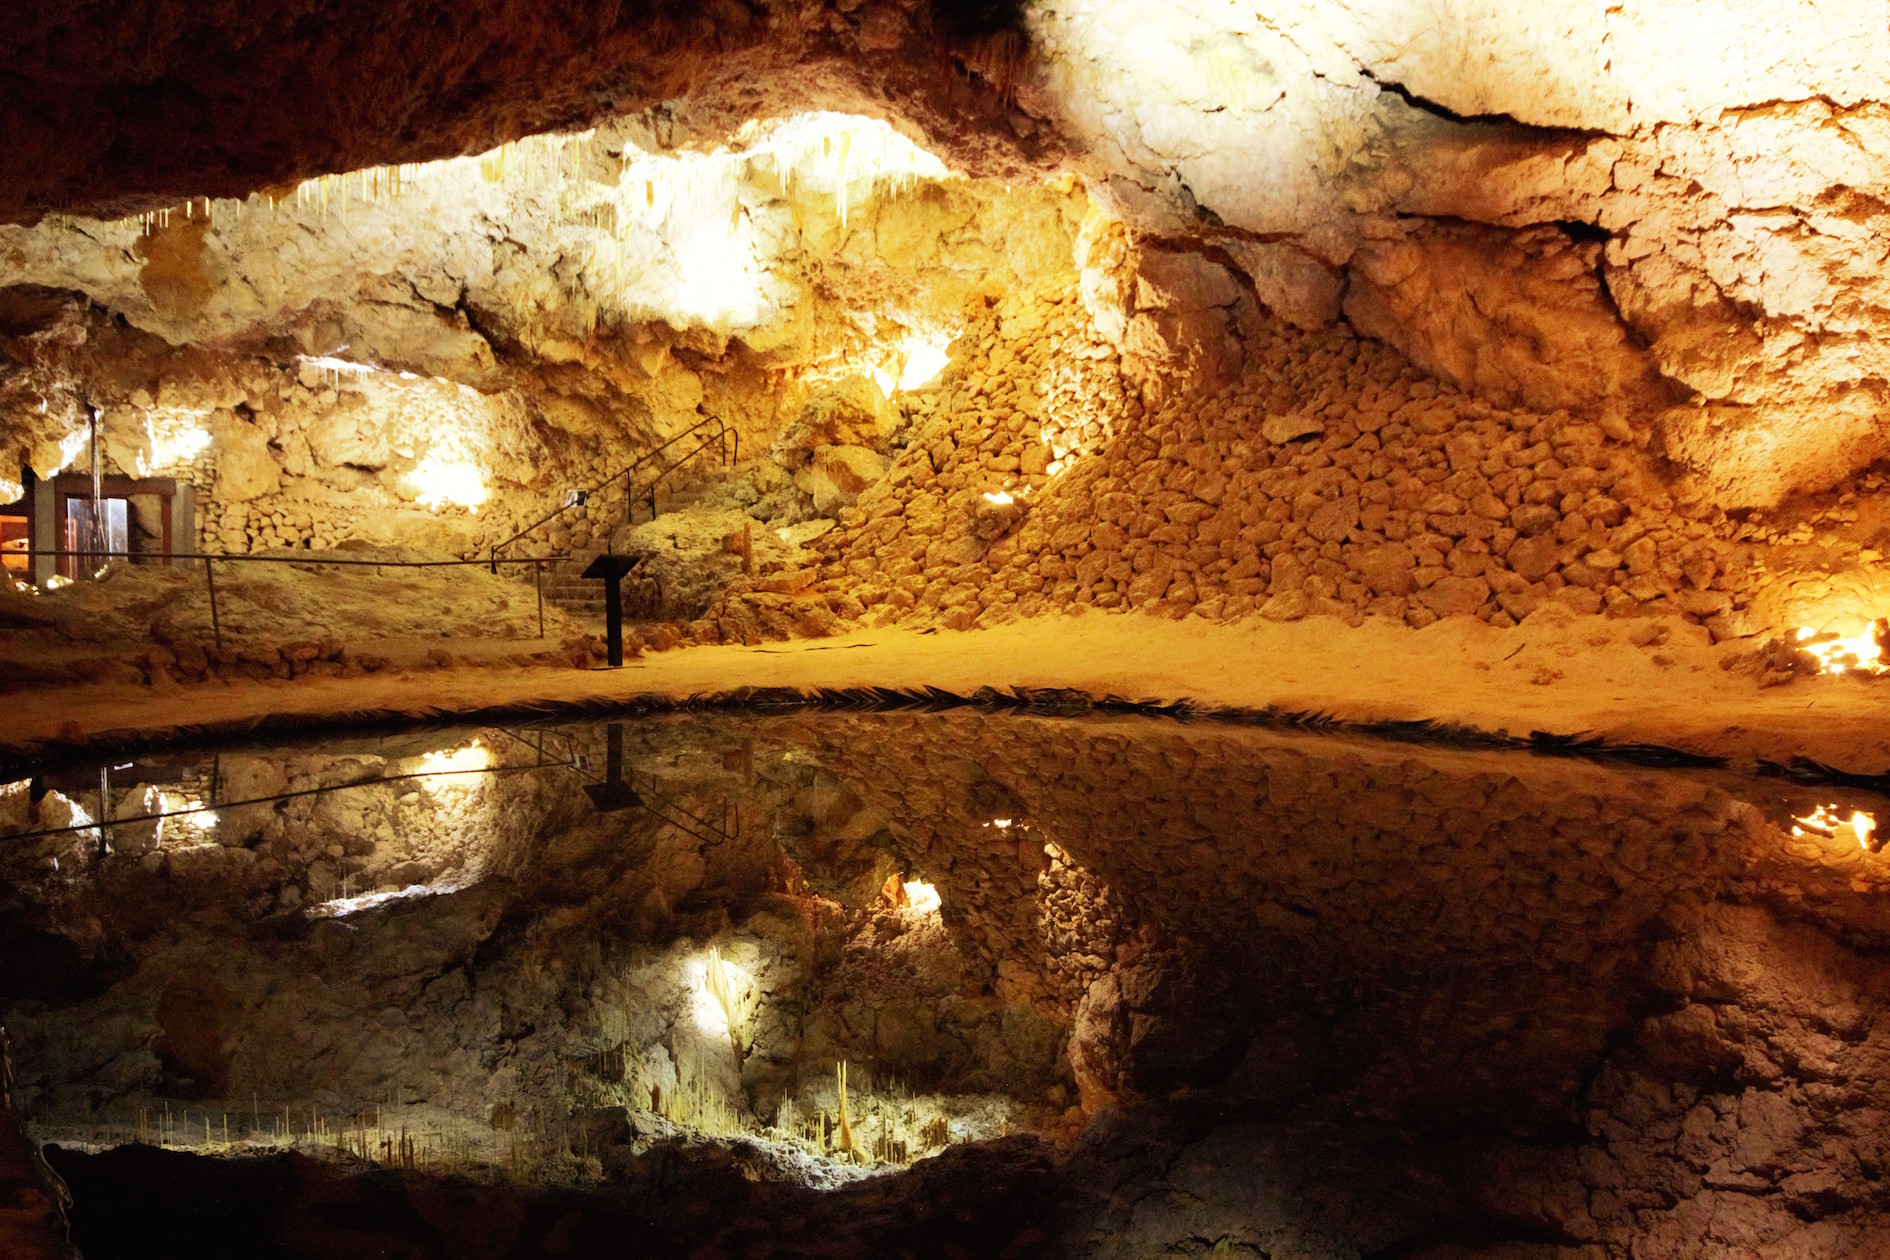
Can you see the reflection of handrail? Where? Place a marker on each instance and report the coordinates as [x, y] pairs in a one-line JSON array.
[[213, 807], [723, 435]]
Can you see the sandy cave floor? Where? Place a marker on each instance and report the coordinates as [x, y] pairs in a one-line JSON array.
[[1573, 675]]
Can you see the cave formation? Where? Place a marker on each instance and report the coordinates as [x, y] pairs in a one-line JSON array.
[[1262, 624]]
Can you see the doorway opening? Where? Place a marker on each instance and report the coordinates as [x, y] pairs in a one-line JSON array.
[[133, 522], [16, 534]]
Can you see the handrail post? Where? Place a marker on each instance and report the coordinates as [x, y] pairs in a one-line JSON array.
[[493, 555], [210, 580]]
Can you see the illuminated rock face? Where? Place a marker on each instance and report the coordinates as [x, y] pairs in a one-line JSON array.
[[432, 356], [1648, 226], [1731, 159]]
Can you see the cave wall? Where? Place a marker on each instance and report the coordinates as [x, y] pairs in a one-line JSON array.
[[531, 321], [1713, 177], [1361, 324]]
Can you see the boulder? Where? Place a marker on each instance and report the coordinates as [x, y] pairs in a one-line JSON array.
[[1455, 596], [135, 839], [245, 468], [851, 412], [244, 778], [1386, 568], [1332, 521], [835, 475], [1286, 606], [1280, 429], [1533, 558]]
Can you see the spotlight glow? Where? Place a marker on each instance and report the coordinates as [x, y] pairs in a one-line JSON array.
[[1836, 653], [445, 482], [1829, 821], [924, 361], [720, 995], [720, 279], [921, 897], [177, 436], [188, 811], [441, 770]]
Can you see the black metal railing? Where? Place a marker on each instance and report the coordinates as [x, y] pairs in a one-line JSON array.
[[726, 440], [723, 438], [211, 559]]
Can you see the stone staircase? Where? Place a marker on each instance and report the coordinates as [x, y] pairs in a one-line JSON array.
[[582, 599]]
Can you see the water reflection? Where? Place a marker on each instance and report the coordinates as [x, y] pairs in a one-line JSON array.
[[843, 943]]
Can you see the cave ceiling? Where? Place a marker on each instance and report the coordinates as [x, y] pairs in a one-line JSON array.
[[108, 109], [1655, 213]]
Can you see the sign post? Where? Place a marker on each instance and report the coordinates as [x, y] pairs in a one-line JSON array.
[[610, 570]]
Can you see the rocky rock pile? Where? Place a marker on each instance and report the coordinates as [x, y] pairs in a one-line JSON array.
[[1032, 391], [1331, 477]]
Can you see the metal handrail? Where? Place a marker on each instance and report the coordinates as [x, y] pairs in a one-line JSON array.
[[722, 436], [726, 440], [106, 822], [681, 462], [210, 558], [311, 557]]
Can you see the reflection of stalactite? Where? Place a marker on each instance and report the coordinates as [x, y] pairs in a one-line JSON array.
[[846, 1129], [716, 978]]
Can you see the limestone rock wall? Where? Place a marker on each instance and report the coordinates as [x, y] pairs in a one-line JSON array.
[[433, 356], [1715, 173], [1652, 265]]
